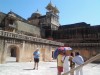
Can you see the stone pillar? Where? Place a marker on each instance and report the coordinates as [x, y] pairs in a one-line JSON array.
[[42, 54], [48, 53], [22, 51], [2, 50]]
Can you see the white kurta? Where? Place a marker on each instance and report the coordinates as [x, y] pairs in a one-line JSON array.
[[78, 60], [66, 65]]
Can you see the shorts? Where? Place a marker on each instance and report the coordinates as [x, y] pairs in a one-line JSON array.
[[36, 60], [60, 69]]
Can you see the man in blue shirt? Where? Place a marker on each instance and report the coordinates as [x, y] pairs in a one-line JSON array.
[[36, 55]]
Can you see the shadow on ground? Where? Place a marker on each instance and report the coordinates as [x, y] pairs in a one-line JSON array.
[[28, 69], [53, 67]]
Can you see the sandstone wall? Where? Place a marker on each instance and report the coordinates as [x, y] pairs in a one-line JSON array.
[[87, 52], [29, 48]]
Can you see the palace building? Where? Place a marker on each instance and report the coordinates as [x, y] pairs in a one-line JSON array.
[[37, 25], [80, 36], [77, 33]]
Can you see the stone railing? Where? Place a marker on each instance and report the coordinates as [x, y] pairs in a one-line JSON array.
[[12, 35]]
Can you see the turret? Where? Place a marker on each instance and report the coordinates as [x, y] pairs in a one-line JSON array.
[[52, 20], [52, 8]]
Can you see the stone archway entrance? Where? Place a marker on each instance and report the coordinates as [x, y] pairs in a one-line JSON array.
[[12, 54]]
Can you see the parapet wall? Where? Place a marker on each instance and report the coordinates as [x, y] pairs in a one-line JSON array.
[[12, 35]]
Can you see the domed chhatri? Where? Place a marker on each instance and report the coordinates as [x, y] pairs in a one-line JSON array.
[[52, 8]]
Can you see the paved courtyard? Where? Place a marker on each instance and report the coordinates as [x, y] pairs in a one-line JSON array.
[[45, 68]]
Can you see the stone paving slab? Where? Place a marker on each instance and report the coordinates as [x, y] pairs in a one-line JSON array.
[[45, 68]]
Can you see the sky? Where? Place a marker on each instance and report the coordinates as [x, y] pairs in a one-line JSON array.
[[71, 11]]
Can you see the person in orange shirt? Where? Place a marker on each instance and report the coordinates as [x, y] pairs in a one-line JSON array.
[[60, 63]]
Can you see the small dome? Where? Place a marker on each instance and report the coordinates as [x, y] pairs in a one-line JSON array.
[[37, 11], [36, 14]]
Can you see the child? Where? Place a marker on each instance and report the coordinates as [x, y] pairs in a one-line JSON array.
[[60, 63]]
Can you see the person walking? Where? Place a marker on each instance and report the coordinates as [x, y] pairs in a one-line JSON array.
[[60, 63], [36, 55], [72, 64], [78, 60]]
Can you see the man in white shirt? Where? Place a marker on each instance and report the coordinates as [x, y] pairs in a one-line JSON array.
[[78, 60]]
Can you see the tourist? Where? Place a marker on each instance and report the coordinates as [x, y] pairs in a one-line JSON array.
[[36, 55], [60, 63], [65, 60], [72, 64], [78, 60]]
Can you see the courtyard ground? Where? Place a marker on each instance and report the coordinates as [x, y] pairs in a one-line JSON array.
[[45, 68]]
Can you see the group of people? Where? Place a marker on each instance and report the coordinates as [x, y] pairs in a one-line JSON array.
[[67, 61]]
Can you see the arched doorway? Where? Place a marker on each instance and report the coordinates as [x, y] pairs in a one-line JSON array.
[[52, 54], [12, 54]]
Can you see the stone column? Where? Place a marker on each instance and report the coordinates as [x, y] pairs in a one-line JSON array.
[[2, 50], [48, 53], [22, 51], [42, 54]]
